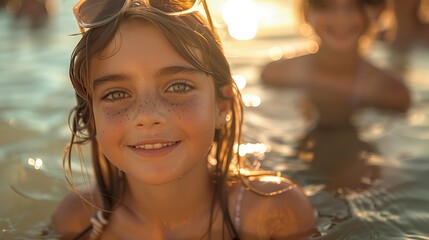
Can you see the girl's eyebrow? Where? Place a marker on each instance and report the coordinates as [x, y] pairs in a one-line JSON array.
[[162, 72], [178, 69], [108, 78]]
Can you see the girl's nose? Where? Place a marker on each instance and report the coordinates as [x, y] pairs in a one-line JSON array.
[[149, 113]]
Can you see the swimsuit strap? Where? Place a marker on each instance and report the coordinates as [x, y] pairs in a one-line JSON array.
[[237, 210], [98, 223]]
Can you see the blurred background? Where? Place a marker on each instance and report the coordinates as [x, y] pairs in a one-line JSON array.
[[367, 179]]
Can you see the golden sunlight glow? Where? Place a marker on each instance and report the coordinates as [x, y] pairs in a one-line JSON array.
[[251, 100], [290, 52], [37, 163], [275, 53], [245, 19], [253, 148], [245, 172], [312, 46], [240, 80], [212, 161], [240, 17], [305, 30], [271, 179]]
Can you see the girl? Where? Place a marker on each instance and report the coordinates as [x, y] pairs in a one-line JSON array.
[[157, 103], [337, 79]]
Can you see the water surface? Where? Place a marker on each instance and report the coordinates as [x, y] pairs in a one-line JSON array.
[[384, 197]]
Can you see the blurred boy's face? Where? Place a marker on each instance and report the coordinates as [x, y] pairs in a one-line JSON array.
[[338, 23]]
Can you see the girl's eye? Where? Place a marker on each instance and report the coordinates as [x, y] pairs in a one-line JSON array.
[[115, 95], [180, 88]]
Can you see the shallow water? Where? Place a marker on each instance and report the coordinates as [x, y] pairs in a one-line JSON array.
[[385, 197]]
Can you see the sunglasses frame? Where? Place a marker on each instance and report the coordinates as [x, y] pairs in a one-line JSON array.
[[82, 25]]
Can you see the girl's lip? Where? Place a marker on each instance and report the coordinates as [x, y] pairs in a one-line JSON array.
[[154, 149]]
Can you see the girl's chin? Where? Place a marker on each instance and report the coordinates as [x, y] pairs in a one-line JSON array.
[[158, 180], [342, 45]]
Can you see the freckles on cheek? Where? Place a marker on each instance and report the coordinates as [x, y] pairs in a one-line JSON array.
[[191, 110], [107, 118]]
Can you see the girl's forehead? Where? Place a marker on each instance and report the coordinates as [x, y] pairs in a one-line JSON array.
[[139, 43], [136, 38], [139, 35], [129, 31]]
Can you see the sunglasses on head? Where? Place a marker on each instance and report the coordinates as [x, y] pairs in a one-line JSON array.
[[95, 13]]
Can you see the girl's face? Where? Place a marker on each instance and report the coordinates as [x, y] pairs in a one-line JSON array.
[[338, 23], [155, 114]]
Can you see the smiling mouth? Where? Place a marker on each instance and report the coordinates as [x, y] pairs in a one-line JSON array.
[[154, 146]]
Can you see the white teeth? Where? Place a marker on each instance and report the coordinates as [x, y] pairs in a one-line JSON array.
[[153, 146]]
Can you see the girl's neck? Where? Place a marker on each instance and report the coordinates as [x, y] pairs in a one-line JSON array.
[[172, 202]]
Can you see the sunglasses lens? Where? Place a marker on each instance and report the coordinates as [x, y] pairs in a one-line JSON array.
[[92, 13], [99, 11], [173, 6]]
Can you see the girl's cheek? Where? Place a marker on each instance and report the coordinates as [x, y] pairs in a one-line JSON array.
[[190, 109], [114, 116]]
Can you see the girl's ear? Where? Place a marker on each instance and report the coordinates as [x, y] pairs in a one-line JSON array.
[[223, 106]]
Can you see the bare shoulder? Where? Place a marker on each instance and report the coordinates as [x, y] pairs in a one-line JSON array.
[[72, 215], [286, 214], [393, 87], [285, 72], [384, 77]]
